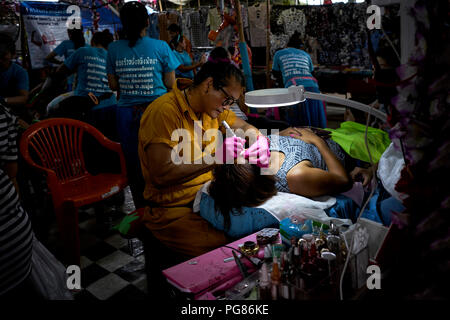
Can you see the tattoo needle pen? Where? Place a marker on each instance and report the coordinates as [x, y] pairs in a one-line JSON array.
[[228, 128]]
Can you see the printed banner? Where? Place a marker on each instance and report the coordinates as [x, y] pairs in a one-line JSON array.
[[45, 25]]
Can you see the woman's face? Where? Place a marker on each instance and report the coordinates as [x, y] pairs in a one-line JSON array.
[[218, 100]]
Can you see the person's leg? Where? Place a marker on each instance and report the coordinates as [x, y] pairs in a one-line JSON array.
[[312, 112], [388, 207], [105, 119], [184, 231], [294, 115], [128, 120], [157, 258], [22, 292]]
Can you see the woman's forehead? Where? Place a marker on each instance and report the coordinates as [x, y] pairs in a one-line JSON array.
[[232, 83]]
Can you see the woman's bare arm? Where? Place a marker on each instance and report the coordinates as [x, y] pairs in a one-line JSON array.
[[51, 58], [308, 181]]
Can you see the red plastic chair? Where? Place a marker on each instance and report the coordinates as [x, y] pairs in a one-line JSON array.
[[54, 146]]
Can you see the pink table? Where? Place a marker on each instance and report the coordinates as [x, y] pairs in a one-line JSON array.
[[207, 276]]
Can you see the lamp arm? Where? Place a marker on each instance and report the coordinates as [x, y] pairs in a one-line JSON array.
[[349, 103]]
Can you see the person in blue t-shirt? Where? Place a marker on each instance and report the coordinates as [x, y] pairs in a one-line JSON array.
[[65, 49], [186, 69], [14, 84], [90, 65], [141, 69], [295, 67]]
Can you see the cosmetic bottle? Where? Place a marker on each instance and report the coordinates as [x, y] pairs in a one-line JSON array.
[[264, 284], [275, 277]]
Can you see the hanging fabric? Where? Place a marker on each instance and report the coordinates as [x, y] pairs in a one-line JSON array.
[[196, 24], [258, 22], [165, 19], [153, 28], [292, 20]]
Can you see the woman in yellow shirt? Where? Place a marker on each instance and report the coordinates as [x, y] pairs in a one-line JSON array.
[[171, 187]]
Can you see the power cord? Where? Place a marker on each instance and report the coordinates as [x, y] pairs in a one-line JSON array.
[[256, 264], [350, 250]]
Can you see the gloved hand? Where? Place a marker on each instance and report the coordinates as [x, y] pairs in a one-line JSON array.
[[131, 224], [259, 152], [231, 148]]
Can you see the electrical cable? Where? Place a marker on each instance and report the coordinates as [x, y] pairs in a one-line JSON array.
[[391, 44], [349, 250], [244, 255]]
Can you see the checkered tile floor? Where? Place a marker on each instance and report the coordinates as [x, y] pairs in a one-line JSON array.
[[111, 267]]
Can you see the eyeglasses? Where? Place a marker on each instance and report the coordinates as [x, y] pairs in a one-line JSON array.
[[229, 100]]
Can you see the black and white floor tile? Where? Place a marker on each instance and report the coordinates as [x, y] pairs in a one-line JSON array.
[[111, 267]]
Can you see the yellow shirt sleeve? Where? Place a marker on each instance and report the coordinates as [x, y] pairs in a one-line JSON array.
[[158, 125], [229, 116]]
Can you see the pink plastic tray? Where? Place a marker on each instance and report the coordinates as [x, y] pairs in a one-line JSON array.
[[207, 275]]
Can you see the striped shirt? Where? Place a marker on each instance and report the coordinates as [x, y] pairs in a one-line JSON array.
[[15, 228], [235, 108]]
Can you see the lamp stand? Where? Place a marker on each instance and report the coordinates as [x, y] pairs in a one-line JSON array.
[[349, 103]]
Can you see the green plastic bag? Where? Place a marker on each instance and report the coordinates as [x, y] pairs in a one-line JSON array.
[[350, 136]]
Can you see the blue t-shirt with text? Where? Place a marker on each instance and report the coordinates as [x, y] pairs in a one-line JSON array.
[[66, 49], [185, 60], [90, 65], [140, 69], [294, 64], [12, 80]]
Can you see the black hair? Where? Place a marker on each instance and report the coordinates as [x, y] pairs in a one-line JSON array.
[[175, 28], [221, 72], [218, 53], [175, 41], [239, 185], [77, 37], [134, 18], [103, 38], [295, 41], [7, 45]]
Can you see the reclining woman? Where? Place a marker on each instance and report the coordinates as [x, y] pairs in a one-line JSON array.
[[304, 163]]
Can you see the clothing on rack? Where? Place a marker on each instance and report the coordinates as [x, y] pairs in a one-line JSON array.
[[184, 28], [165, 19], [214, 19], [278, 42], [334, 35], [313, 48], [257, 16], [196, 24], [153, 28], [245, 23], [292, 20], [226, 36]]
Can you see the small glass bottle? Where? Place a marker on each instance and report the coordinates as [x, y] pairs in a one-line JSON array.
[[264, 284], [303, 247], [275, 277], [290, 252], [285, 292], [284, 266], [268, 253]]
